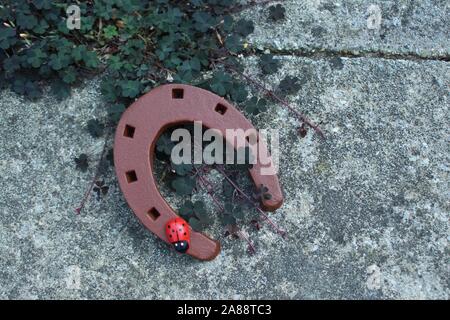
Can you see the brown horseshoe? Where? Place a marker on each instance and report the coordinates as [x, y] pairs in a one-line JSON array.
[[134, 148]]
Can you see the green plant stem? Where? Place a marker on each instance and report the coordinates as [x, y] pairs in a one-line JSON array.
[[95, 178]]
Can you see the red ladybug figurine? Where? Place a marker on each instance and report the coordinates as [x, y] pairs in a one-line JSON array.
[[178, 233]]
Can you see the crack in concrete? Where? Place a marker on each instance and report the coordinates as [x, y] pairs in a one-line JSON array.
[[321, 53]]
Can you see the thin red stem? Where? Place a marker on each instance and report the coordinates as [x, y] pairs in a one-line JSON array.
[[205, 183], [251, 247], [94, 179], [247, 197]]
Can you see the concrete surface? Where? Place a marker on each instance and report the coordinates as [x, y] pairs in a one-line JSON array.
[[367, 210], [398, 27]]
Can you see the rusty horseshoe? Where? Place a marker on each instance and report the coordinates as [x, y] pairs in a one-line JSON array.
[[134, 148]]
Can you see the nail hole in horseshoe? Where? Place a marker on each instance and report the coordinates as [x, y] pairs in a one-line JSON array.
[[129, 131], [177, 93], [220, 108], [153, 214], [131, 176]]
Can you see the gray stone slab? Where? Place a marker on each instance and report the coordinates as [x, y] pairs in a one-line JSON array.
[[419, 28], [366, 210]]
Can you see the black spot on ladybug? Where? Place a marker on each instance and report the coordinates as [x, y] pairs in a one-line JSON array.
[[173, 230], [179, 229], [170, 235], [185, 233]]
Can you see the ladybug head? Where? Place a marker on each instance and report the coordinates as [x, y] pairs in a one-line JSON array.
[[181, 246]]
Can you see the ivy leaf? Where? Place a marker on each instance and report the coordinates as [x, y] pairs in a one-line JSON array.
[[228, 219], [261, 193], [26, 21], [227, 189], [45, 71], [234, 210], [238, 92], [277, 12], [108, 90], [234, 43], [81, 162], [7, 37], [182, 169], [95, 128], [221, 83], [186, 210], [196, 210], [60, 89], [36, 57], [27, 87], [82, 54], [87, 23], [183, 186], [228, 23], [42, 4], [110, 32], [114, 63], [3, 83], [69, 75], [165, 144], [188, 69], [103, 9], [199, 208], [59, 61], [32, 90], [12, 64], [238, 213], [143, 70], [289, 85], [196, 224], [55, 62], [41, 27], [79, 52], [133, 46], [115, 111], [255, 106], [244, 27], [130, 88], [203, 21], [100, 188], [90, 59], [268, 64]]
